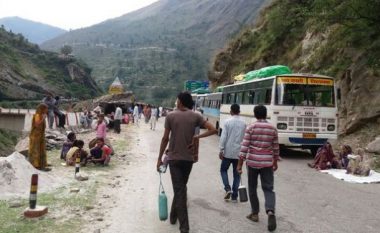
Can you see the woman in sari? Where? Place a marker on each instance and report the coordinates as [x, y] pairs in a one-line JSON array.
[[343, 155], [37, 145], [325, 158]]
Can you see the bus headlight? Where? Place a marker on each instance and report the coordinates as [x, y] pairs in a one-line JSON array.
[[282, 126], [331, 127]]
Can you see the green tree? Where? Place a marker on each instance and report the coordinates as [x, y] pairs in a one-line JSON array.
[[66, 49]]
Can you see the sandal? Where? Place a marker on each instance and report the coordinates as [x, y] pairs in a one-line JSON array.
[[253, 217]]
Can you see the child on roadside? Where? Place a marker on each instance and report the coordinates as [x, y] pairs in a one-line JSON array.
[[67, 144], [75, 151], [101, 153]]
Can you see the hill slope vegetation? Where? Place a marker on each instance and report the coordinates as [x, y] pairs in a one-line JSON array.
[[27, 73], [155, 49], [335, 38]]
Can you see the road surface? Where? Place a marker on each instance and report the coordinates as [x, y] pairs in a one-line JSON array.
[[307, 200]]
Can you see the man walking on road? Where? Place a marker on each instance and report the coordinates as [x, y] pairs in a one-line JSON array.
[[118, 117], [260, 150], [180, 126], [230, 140], [136, 115]]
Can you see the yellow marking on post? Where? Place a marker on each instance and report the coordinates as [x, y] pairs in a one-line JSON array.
[[33, 188]]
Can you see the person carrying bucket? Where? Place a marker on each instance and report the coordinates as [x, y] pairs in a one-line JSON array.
[[180, 126], [229, 144], [260, 150]]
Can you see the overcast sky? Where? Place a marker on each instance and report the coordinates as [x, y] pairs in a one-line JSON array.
[[69, 14]]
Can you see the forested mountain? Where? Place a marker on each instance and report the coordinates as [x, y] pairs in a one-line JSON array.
[[35, 32], [338, 38], [27, 73], [155, 49]]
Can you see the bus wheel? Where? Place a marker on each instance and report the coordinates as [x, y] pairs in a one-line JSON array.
[[217, 125], [220, 132]]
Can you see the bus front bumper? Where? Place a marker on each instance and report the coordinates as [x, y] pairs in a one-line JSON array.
[[299, 140]]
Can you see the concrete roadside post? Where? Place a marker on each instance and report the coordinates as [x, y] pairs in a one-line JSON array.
[[77, 165], [34, 211]]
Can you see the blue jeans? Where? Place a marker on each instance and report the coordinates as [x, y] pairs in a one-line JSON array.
[[223, 171]]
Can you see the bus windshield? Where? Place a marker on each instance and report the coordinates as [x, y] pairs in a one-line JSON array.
[[305, 92]]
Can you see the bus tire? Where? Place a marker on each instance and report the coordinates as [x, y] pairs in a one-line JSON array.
[[220, 132], [217, 125]]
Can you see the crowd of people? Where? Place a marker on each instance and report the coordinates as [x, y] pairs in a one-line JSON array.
[[255, 144], [325, 158]]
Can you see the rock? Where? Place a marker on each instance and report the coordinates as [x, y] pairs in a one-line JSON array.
[[87, 208], [374, 146], [15, 204], [23, 146], [99, 219], [97, 231], [106, 196], [74, 190], [39, 211]]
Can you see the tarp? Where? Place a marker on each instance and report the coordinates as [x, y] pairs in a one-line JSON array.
[[374, 177], [267, 72]]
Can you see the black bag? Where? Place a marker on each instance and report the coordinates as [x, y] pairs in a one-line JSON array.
[[243, 196]]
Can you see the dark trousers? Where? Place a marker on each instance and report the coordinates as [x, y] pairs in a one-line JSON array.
[[267, 180], [226, 162], [116, 125], [180, 172]]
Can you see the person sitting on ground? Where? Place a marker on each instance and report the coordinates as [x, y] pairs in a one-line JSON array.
[[75, 151], [342, 155], [71, 137], [100, 154], [325, 158], [358, 164]]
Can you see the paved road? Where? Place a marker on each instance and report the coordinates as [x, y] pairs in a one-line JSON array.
[[307, 201]]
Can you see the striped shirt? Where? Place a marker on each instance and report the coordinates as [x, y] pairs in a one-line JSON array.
[[232, 136], [260, 145]]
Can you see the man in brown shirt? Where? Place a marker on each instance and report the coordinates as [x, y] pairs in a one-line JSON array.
[[180, 126]]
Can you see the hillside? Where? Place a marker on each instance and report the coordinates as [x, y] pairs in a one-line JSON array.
[[165, 43], [335, 38], [35, 32], [27, 73]]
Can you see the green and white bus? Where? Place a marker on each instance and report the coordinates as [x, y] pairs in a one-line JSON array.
[[301, 106]]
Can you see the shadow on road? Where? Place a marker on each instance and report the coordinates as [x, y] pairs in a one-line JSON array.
[[296, 154]]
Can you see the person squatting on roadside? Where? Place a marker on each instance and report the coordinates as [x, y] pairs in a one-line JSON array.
[[100, 154], [230, 140], [71, 137], [76, 151], [260, 150], [179, 133]]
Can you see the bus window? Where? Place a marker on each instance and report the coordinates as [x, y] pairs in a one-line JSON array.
[[245, 97], [229, 98], [233, 96], [260, 96], [251, 97], [239, 98], [268, 96], [224, 98]]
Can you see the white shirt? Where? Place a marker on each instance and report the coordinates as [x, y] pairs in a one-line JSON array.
[[118, 114], [232, 135], [136, 111]]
